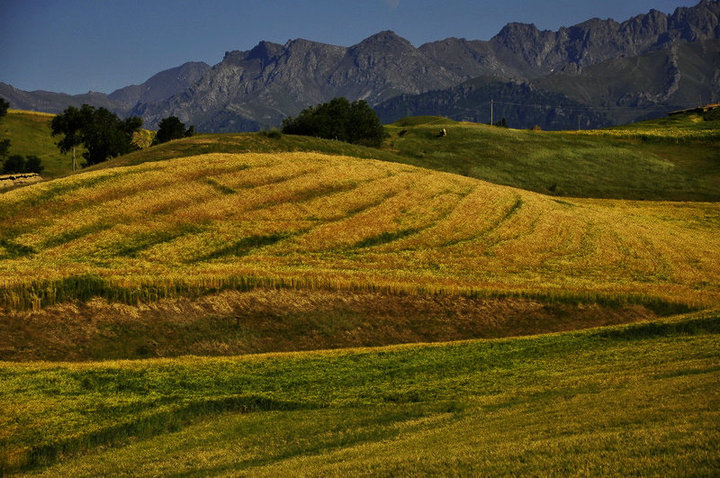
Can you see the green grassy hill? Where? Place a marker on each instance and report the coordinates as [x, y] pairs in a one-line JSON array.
[[30, 135], [666, 159], [630, 400], [673, 159]]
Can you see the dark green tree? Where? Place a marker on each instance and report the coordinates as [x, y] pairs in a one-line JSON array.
[[4, 105], [33, 165], [69, 124], [339, 119], [172, 128], [103, 134]]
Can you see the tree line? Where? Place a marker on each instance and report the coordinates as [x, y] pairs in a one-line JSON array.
[[102, 135]]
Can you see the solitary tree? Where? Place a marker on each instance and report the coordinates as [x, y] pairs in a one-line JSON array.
[[172, 128], [339, 119], [69, 123], [103, 134]]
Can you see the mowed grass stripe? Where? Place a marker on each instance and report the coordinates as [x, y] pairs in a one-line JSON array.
[[345, 222]]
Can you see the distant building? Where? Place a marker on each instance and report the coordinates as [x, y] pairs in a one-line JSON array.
[[697, 109]]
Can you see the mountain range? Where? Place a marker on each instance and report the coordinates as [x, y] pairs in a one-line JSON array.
[[596, 73]]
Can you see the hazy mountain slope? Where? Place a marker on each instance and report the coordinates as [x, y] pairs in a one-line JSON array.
[[160, 86], [49, 102], [157, 88]]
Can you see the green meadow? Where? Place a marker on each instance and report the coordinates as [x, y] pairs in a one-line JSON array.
[[625, 400]]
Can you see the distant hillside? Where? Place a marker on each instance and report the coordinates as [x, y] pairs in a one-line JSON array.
[[49, 102], [520, 104], [159, 87]]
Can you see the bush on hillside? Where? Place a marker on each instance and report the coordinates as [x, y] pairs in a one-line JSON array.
[[172, 128], [273, 133], [339, 119], [18, 164], [712, 115]]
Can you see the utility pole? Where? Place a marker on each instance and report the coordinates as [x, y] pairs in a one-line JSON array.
[[578, 122], [491, 112], [74, 164]]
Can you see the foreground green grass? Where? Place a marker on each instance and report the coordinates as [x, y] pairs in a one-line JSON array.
[[639, 399]]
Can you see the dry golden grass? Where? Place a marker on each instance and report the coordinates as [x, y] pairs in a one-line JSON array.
[[316, 221]]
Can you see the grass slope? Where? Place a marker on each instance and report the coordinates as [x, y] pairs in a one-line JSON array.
[[198, 224], [633, 400], [674, 159], [29, 133]]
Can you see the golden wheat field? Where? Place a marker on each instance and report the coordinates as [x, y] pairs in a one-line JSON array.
[[308, 220]]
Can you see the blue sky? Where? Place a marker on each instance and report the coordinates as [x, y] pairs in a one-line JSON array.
[[74, 46]]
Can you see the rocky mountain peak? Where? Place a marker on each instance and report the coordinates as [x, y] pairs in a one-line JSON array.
[[265, 51], [386, 41]]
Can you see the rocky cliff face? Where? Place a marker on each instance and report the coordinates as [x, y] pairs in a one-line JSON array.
[[521, 50]]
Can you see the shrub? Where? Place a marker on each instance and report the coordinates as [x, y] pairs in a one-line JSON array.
[[273, 133], [712, 115], [18, 164], [172, 128]]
